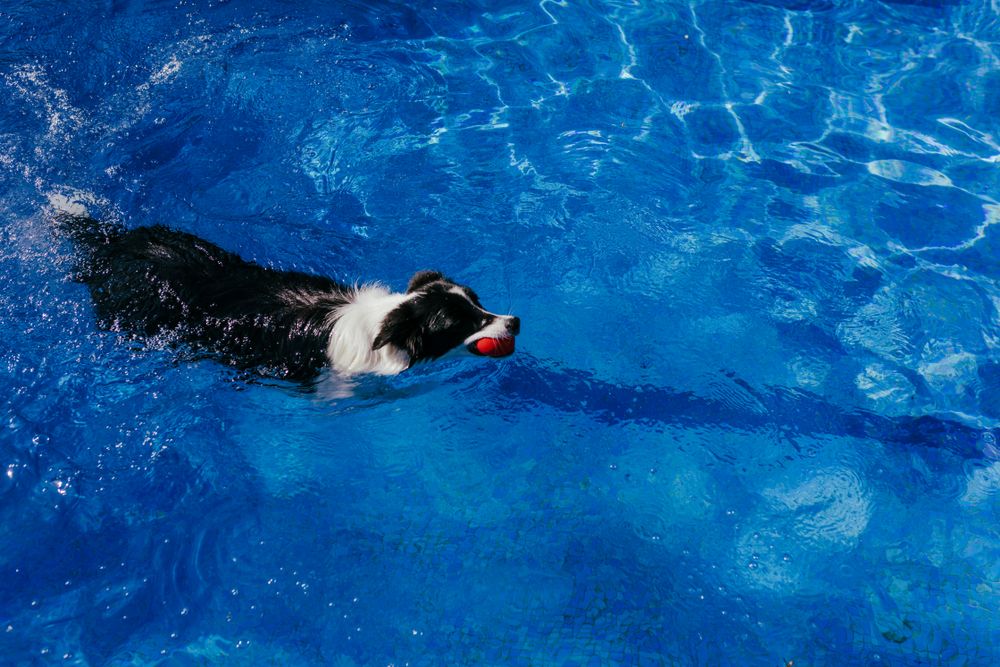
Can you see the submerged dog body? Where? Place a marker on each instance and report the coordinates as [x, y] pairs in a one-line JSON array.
[[155, 281]]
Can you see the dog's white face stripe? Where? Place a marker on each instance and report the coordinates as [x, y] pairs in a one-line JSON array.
[[499, 326]]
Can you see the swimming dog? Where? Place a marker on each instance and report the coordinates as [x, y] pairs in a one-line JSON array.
[[155, 281]]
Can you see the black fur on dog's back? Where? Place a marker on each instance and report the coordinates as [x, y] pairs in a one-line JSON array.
[[157, 281]]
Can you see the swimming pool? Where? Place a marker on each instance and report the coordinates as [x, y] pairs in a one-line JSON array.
[[751, 417]]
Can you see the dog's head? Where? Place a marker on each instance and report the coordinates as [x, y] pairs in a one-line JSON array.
[[441, 315]]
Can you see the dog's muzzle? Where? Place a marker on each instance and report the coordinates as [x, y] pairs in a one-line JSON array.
[[497, 346]]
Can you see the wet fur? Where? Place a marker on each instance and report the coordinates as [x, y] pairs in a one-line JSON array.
[[155, 281]]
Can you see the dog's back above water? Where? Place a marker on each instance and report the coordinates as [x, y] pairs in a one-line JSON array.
[[156, 281]]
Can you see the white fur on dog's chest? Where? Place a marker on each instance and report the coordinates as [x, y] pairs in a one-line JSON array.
[[357, 324]]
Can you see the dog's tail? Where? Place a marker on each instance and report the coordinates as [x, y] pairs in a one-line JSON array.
[[71, 220], [84, 230]]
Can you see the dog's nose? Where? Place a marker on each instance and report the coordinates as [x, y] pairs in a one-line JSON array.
[[514, 325]]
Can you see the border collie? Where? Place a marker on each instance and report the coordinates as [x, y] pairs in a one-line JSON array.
[[154, 281]]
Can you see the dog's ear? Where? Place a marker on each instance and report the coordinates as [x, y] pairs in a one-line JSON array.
[[421, 278], [401, 327], [393, 323]]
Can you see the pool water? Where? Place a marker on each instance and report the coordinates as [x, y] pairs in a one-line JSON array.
[[751, 418]]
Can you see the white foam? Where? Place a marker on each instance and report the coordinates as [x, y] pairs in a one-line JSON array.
[[72, 201], [61, 203], [166, 72]]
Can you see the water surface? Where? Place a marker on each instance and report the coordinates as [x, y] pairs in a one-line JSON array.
[[751, 416]]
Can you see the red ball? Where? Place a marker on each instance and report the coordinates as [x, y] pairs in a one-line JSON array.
[[495, 347]]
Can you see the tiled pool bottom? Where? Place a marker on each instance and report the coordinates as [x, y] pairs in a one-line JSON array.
[[751, 416]]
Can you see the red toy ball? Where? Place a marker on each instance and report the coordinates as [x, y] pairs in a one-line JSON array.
[[495, 347]]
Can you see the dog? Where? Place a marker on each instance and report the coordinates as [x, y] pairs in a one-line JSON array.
[[154, 281]]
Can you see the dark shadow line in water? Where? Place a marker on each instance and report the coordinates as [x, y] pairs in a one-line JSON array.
[[792, 412], [527, 380]]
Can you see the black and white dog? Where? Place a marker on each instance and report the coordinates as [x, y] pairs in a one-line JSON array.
[[155, 281]]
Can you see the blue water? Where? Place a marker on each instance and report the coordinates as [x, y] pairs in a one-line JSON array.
[[751, 416]]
